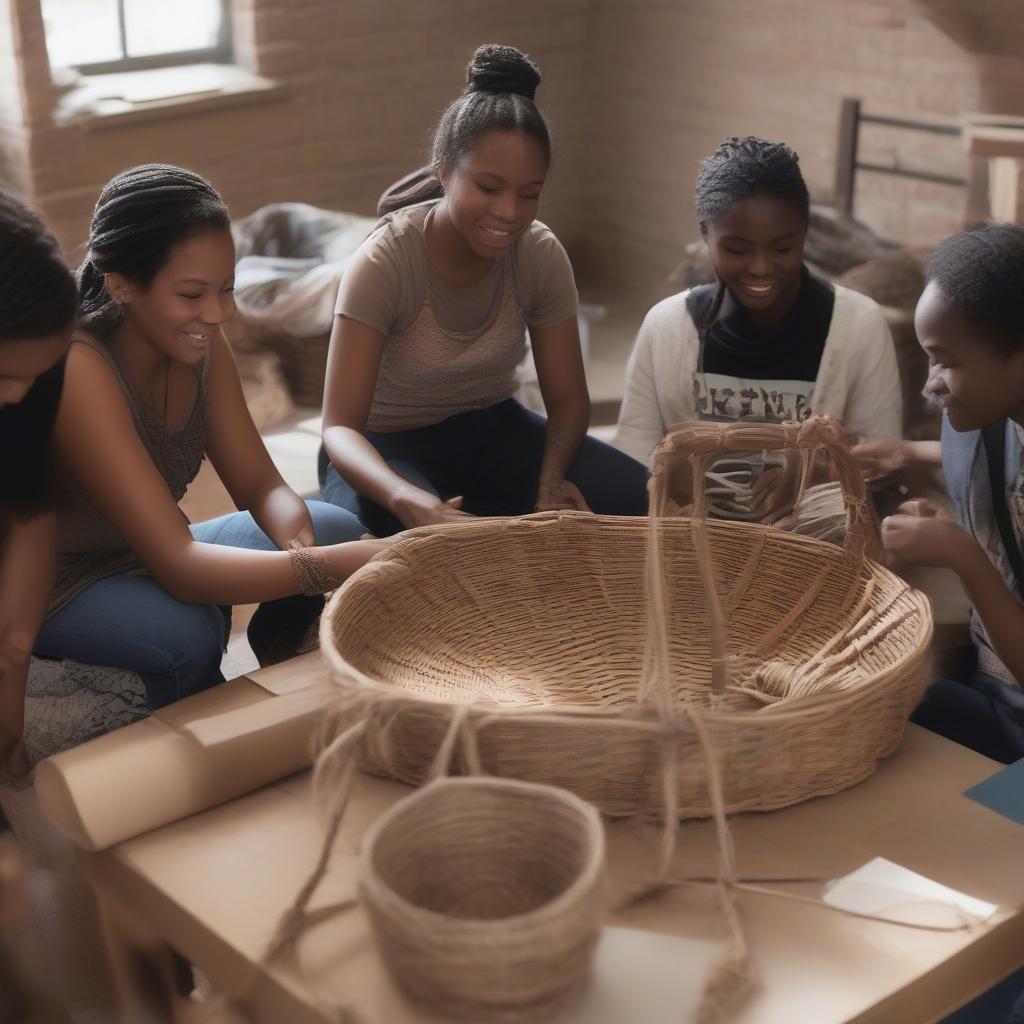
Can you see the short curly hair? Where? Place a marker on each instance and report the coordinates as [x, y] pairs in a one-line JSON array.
[[746, 167], [981, 273]]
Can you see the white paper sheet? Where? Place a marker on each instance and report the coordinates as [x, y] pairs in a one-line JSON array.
[[885, 889]]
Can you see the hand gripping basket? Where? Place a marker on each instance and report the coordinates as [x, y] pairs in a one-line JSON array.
[[568, 648]]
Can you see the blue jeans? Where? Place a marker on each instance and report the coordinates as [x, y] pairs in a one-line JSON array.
[[131, 622], [492, 457]]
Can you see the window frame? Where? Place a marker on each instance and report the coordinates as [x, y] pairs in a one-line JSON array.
[[220, 53]]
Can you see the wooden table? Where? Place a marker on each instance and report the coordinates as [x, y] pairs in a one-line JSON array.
[[213, 886]]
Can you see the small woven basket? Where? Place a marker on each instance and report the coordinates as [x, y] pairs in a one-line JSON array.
[[577, 645], [487, 896]]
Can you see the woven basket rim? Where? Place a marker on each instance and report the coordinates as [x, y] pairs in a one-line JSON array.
[[343, 670], [587, 879]]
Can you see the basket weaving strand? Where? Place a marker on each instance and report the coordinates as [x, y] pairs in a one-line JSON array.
[[672, 667]]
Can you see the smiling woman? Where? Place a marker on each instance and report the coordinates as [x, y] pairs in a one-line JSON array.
[[420, 425], [151, 390], [768, 341], [969, 323]]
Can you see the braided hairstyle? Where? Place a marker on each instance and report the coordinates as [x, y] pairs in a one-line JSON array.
[[981, 274], [500, 85], [38, 300], [740, 169], [140, 216]]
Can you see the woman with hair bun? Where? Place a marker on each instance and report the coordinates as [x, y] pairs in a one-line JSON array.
[[152, 389], [420, 425], [38, 304]]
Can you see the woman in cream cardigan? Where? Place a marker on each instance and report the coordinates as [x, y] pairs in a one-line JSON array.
[[769, 341]]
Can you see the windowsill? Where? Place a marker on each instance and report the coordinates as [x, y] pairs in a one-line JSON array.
[[99, 101]]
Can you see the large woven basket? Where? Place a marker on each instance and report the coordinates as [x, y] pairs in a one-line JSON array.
[[566, 662], [487, 895]]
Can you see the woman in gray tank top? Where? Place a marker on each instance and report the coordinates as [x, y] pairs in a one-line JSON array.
[[151, 389], [420, 425], [38, 302]]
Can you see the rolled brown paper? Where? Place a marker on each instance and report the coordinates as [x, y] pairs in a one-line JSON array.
[[200, 752]]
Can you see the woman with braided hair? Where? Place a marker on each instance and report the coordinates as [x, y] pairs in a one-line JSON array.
[[969, 321], [767, 326], [151, 389], [38, 304], [420, 425]]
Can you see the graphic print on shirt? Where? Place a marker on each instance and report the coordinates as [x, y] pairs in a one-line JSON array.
[[717, 396]]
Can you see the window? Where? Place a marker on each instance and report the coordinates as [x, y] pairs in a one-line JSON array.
[[98, 36]]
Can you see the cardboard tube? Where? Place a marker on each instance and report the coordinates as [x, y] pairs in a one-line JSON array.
[[201, 752]]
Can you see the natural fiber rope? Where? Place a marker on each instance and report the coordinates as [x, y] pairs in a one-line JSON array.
[[731, 977], [383, 711]]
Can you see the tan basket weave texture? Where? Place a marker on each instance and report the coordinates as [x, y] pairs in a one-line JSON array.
[[543, 626], [487, 896]]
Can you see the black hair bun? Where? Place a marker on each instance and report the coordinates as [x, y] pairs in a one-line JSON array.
[[502, 69]]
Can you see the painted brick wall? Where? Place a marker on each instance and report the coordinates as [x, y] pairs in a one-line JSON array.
[[366, 80], [667, 81]]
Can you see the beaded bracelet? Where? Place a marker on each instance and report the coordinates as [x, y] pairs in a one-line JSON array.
[[310, 570]]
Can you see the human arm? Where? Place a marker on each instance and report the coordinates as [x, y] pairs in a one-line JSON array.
[[26, 579], [239, 456], [896, 457], [563, 385], [98, 442], [909, 463], [642, 423], [353, 363], [921, 535]]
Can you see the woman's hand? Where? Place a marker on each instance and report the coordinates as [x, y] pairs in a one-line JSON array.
[[880, 457], [920, 534], [557, 495], [344, 559], [775, 491], [416, 507]]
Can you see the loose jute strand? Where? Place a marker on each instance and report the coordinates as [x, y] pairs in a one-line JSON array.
[[731, 976], [661, 717]]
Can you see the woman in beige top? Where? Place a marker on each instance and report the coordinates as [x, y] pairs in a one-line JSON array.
[[420, 425]]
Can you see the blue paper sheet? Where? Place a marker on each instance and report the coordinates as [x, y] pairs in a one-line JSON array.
[[1003, 792]]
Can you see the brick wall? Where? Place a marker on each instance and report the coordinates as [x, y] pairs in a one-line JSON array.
[[667, 81], [365, 82], [637, 92]]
